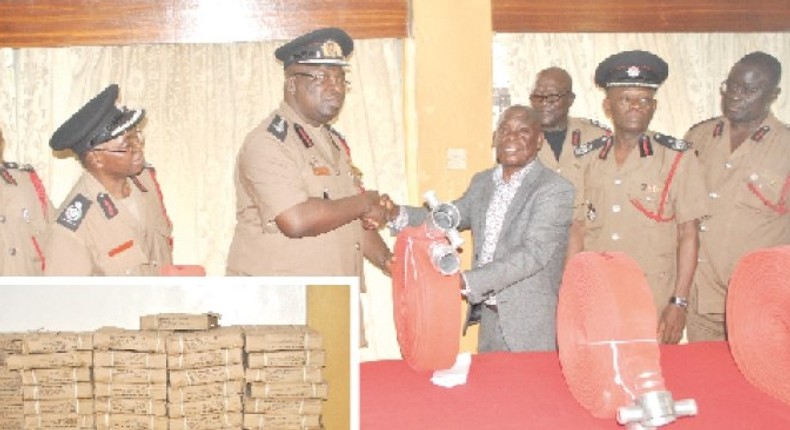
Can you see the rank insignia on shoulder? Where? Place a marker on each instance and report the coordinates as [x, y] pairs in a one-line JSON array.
[[339, 137], [671, 143], [8, 177], [75, 212], [303, 136], [599, 124], [10, 165], [719, 129], [107, 205], [278, 128], [139, 184], [576, 137], [590, 146], [26, 167], [760, 133], [705, 121]]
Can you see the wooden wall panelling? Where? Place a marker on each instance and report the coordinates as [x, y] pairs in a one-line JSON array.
[[561, 16], [25, 23]]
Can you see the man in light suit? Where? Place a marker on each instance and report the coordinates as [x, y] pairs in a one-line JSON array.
[[520, 213]]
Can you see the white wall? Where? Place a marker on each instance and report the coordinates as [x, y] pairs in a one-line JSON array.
[[66, 304]]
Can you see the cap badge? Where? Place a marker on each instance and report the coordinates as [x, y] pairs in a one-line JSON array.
[[330, 49], [633, 72]]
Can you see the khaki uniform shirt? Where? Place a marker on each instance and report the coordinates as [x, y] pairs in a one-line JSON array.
[[580, 130], [95, 234], [282, 163], [635, 209], [748, 200], [24, 212]]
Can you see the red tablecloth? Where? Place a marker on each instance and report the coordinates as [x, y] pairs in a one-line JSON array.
[[527, 391]]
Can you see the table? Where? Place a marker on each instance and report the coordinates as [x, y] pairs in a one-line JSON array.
[[527, 391]]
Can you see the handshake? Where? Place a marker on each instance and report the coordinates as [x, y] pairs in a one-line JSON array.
[[380, 209]]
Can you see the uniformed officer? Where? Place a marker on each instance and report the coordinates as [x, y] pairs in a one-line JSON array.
[[300, 204], [641, 192], [113, 222], [745, 158], [552, 96], [24, 213]]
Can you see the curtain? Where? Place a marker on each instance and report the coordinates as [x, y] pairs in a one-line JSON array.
[[698, 63], [200, 100]]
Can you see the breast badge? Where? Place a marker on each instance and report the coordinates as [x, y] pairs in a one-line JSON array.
[[591, 213], [72, 216]]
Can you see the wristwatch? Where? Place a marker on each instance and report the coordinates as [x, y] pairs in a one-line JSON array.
[[681, 302]]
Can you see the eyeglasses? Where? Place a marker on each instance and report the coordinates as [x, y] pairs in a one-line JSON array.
[[324, 79], [548, 98], [130, 139], [737, 90], [627, 102]]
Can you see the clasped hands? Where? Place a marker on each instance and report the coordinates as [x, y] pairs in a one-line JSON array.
[[380, 210]]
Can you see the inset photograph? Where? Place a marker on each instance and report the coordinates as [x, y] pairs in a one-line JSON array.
[[177, 353]]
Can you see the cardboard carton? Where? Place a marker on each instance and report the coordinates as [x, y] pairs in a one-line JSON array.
[[177, 322], [281, 338], [130, 359], [285, 374], [216, 405], [116, 375], [280, 390], [206, 375], [282, 406], [193, 360], [45, 342], [311, 357]]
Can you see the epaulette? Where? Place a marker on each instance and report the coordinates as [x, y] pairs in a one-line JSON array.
[[600, 125], [705, 121], [760, 133], [71, 217], [339, 137], [672, 143], [10, 165], [147, 165], [278, 128], [590, 146]]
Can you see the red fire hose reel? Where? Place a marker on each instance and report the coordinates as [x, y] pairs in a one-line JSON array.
[[606, 333], [426, 289], [758, 320]]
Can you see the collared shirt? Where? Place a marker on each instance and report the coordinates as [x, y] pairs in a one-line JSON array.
[[495, 215]]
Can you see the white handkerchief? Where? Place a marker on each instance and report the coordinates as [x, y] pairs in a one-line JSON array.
[[455, 375]]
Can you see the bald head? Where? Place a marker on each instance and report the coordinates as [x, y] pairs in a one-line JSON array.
[[557, 74], [767, 62], [552, 96], [527, 115]]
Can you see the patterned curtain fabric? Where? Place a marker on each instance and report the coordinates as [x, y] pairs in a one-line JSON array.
[[698, 63], [201, 101]]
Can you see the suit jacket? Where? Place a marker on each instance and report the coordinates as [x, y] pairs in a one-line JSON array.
[[527, 267]]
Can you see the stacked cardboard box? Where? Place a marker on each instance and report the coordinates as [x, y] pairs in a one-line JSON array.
[[56, 380], [130, 379], [206, 379], [285, 378], [11, 407]]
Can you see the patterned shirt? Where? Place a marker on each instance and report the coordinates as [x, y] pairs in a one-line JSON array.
[[495, 215]]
